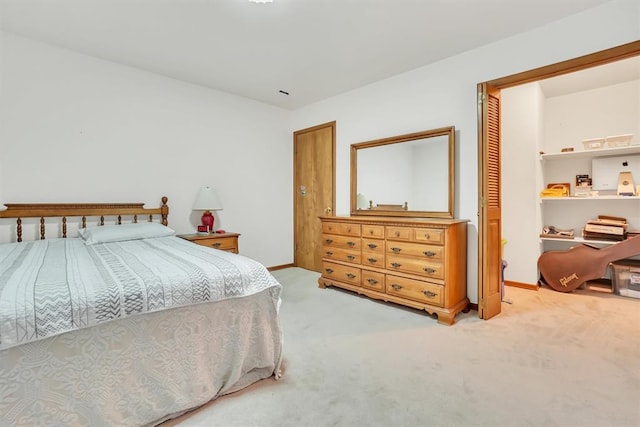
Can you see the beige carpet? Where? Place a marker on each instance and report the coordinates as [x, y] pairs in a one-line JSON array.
[[550, 359]]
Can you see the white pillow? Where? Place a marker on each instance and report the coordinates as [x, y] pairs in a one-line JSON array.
[[118, 233]]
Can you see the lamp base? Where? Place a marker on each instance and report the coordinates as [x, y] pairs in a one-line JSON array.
[[207, 221]]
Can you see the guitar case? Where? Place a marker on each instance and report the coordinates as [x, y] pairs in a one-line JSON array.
[[565, 271]]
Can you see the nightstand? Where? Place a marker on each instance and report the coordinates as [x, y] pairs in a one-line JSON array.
[[223, 241]]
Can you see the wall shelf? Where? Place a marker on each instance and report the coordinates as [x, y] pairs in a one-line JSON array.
[[602, 152], [574, 198], [580, 240]]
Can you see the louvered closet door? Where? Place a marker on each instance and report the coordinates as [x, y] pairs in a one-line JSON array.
[[490, 238]]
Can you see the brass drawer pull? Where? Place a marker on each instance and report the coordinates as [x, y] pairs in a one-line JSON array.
[[395, 264], [426, 236], [396, 287], [397, 234], [351, 257], [328, 241], [372, 281], [351, 276], [372, 245], [329, 253], [429, 294], [370, 231], [351, 244], [372, 260], [328, 270], [216, 244], [429, 270], [349, 230], [396, 250], [429, 253]]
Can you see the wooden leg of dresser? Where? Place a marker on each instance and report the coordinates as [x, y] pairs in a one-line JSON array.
[[446, 318], [321, 283]]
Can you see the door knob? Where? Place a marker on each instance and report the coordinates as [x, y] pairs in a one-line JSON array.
[[327, 210]]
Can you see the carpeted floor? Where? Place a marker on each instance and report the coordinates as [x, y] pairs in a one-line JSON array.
[[549, 359]]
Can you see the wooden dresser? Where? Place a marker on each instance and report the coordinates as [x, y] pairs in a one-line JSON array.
[[419, 263]]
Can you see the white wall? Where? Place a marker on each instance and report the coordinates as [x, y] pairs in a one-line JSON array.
[[596, 113], [79, 129], [136, 136], [444, 94]]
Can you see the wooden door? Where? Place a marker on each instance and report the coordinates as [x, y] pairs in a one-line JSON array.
[[489, 215], [314, 195]]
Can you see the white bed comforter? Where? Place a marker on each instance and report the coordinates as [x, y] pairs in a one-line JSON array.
[[53, 286]]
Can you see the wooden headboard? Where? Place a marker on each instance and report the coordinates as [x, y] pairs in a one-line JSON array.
[[82, 210]]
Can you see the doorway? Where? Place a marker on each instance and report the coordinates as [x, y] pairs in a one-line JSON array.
[[314, 190], [489, 233]]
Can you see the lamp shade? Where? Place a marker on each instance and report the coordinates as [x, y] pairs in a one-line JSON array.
[[207, 200]]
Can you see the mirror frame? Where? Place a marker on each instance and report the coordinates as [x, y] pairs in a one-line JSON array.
[[449, 213]]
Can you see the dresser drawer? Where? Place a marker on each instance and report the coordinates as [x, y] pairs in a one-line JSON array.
[[419, 250], [341, 273], [373, 245], [415, 266], [399, 233], [341, 254], [337, 241], [373, 231], [429, 235], [415, 289], [341, 228], [373, 280], [373, 259]]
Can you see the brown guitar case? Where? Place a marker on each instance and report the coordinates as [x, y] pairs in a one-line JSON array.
[[565, 271]]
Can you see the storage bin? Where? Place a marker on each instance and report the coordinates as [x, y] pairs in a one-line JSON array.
[[593, 143], [619, 140], [625, 277]]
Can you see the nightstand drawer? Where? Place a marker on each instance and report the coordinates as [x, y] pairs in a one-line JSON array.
[[222, 241]]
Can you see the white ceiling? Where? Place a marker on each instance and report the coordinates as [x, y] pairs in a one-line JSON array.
[[312, 49]]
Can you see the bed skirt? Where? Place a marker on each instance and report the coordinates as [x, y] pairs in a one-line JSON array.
[[138, 370]]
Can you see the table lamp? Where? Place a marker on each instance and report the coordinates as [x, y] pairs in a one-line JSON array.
[[361, 202], [207, 201]]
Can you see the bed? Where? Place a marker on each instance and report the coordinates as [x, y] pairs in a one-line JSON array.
[[126, 324]]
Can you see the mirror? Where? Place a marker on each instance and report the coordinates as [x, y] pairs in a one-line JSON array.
[[408, 175]]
